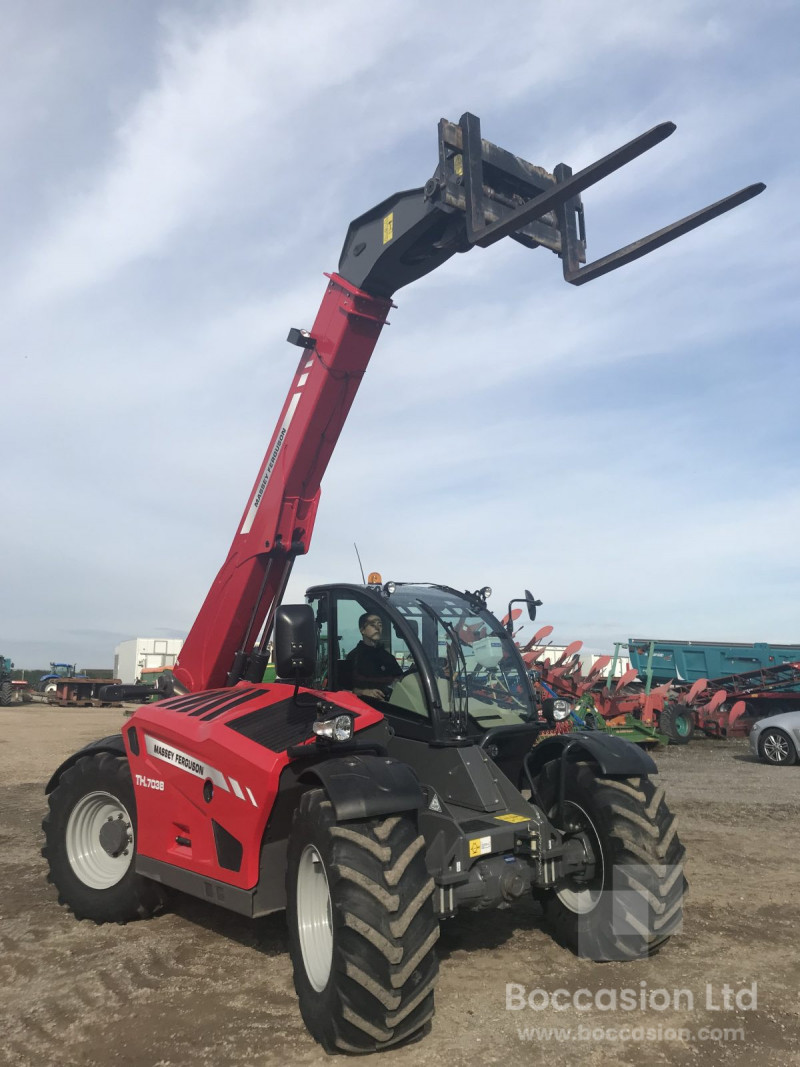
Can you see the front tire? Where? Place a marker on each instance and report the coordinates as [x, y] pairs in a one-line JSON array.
[[90, 843], [631, 902], [776, 747], [361, 927]]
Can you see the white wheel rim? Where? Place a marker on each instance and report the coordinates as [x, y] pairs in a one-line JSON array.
[[96, 867], [314, 919], [582, 901]]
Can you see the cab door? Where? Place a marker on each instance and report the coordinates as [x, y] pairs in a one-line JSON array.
[[406, 708]]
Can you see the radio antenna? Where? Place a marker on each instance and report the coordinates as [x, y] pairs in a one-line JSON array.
[[363, 579]]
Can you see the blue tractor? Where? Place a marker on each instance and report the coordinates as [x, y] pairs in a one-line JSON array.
[[48, 683]]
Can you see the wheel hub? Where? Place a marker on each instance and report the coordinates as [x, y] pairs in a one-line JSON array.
[[114, 836], [579, 858], [582, 890], [775, 748], [100, 840]]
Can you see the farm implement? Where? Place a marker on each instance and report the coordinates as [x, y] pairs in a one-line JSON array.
[[671, 711], [747, 696], [644, 714]]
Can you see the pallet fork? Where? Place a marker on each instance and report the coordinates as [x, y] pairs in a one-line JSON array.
[[481, 193]]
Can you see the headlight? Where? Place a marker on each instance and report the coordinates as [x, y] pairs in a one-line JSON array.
[[561, 710], [338, 729]]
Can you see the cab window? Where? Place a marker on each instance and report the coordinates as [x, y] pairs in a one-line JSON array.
[[406, 691]]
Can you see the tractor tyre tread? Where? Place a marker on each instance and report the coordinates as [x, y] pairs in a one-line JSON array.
[[643, 858], [381, 986]]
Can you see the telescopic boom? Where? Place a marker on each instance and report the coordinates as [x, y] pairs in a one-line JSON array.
[[479, 193]]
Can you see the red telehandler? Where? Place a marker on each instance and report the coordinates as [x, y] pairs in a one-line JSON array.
[[370, 819]]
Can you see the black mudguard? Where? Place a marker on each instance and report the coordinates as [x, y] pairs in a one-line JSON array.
[[363, 786], [614, 756], [113, 744]]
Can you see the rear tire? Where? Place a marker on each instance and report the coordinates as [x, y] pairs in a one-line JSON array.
[[633, 902], [6, 694], [776, 747], [362, 928], [90, 843], [677, 722]]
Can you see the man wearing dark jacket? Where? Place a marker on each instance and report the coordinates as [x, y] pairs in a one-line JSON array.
[[374, 669]]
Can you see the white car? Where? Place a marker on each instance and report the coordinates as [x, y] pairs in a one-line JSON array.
[[777, 739]]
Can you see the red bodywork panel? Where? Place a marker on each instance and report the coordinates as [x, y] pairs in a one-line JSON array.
[[279, 517], [186, 741]]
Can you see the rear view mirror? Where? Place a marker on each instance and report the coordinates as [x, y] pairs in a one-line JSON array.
[[532, 604], [295, 642]]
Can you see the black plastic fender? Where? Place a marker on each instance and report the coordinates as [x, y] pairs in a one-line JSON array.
[[113, 744], [613, 755], [363, 786]]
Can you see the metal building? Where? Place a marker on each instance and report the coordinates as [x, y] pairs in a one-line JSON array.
[[132, 657]]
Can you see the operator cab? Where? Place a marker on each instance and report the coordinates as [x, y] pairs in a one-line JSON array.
[[463, 679]]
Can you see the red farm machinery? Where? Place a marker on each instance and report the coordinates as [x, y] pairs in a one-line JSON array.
[[670, 711]]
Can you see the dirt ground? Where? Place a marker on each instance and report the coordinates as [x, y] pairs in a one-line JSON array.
[[202, 986]]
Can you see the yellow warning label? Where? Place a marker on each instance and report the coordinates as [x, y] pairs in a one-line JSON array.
[[388, 227], [512, 818], [480, 846], [458, 164]]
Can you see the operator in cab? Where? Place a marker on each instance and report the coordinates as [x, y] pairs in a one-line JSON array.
[[374, 669]]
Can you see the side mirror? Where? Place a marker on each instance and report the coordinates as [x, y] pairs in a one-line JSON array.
[[532, 604], [295, 642]]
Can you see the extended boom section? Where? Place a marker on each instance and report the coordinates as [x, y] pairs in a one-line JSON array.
[[478, 194], [228, 639]]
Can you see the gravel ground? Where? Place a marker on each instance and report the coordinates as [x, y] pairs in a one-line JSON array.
[[202, 986]]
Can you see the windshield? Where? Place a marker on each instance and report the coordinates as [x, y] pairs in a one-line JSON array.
[[476, 664]]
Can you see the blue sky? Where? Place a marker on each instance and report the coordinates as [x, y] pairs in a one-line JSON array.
[[176, 178]]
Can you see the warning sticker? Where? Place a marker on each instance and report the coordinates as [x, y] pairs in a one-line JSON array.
[[388, 227], [480, 846], [512, 818]]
